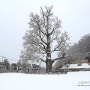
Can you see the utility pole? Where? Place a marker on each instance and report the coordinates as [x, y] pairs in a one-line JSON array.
[[3, 58]]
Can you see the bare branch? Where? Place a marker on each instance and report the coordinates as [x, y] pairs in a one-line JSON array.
[[55, 50], [37, 20], [43, 17], [58, 58], [56, 25], [43, 46], [63, 56], [42, 60], [42, 39]]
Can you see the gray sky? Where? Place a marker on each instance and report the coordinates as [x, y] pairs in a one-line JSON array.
[[14, 16]]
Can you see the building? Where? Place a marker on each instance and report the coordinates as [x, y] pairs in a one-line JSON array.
[[3, 67], [88, 56]]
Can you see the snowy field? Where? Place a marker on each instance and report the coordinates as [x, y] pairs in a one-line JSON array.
[[70, 81]]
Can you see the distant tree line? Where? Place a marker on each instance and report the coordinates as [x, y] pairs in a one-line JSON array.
[[80, 48], [5, 66]]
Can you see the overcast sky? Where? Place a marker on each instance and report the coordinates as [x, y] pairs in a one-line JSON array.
[[14, 18]]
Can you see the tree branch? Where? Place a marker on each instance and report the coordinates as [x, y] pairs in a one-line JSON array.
[[57, 59], [55, 26], [43, 16], [42, 60], [56, 49], [63, 56], [36, 19], [43, 46], [42, 39]]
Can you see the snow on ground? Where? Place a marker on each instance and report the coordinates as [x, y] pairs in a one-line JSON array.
[[70, 81]]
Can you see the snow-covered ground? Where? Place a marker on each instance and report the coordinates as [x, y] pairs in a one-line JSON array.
[[70, 81]]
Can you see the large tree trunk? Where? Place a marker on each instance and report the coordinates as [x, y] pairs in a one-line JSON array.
[[48, 57], [48, 61], [48, 65]]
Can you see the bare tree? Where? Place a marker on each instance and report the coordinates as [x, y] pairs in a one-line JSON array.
[[6, 63], [44, 37]]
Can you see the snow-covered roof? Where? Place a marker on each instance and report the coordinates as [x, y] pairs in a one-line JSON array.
[[83, 65]]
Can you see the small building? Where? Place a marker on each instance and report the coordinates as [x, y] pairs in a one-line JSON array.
[[88, 56], [2, 67], [89, 60]]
